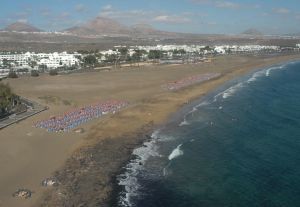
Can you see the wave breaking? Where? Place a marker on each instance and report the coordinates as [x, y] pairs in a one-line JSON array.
[[129, 178], [176, 152]]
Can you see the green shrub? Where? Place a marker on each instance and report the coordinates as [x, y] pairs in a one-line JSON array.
[[53, 72], [12, 74], [34, 73]]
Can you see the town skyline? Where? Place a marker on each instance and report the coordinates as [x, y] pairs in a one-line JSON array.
[[188, 16]]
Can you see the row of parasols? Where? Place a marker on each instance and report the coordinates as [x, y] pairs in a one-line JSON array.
[[188, 81], [72, 119]]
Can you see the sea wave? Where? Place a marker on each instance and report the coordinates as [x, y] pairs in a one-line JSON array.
[[256, 75], [194, 110], [203, 103], [268, 71], [176, 152], [232, 90], [184, 123], [228, 92], [265, 72], [129, 178]]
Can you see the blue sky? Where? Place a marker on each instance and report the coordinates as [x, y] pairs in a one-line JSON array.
[[192, 16]]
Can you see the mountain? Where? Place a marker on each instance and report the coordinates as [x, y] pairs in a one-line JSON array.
[[294, 34], [104, 26], [21, 27], [297, 34], [100, 26], [143, 28], [148, 30], [253, 32]]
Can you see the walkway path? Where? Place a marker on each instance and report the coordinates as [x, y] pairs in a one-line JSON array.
[[32, 109]]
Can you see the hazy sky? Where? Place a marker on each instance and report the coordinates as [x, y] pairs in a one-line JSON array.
[[193, 16]]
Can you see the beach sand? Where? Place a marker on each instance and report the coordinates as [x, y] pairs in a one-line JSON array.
[[87, 163]]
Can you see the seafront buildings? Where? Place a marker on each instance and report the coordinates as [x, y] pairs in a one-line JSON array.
[[167, 54], [50, 60]]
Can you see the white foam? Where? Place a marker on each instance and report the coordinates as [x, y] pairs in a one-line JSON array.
[[230, 91], [129, 178], [184, 123], [176, 153], [217, 96], [195, 108], [204, 103], [268, 71], [166, 170], [256, 75]]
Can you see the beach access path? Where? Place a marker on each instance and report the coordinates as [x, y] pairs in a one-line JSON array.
[[33, 108]]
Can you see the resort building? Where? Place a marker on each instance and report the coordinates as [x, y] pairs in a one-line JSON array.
[[32, 60]]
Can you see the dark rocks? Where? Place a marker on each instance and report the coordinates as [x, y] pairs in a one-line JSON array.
[[22, 193], [89, 176]]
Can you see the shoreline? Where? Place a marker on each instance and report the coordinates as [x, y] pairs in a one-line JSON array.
[[176, 118], [75, 187]]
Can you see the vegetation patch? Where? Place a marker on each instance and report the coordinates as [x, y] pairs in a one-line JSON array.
[[53, 72], [50, 99], [34, 73], [12, 74], [56, 100], [7, 100]]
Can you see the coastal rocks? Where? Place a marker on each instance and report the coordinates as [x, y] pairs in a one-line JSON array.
[[22, 193], [88, 178], [48, 182], [79, 131]]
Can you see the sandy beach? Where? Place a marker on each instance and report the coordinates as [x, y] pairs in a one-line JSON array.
[[86, 163]]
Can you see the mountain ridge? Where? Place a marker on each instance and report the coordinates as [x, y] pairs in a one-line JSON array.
[[99, 26], [21, 27], [253, 32]]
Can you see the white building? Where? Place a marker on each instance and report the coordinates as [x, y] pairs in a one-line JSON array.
[[4, 73], [220, 50], [56, 60], [109, 52], [51, 60], [21, 59], [245, 48]]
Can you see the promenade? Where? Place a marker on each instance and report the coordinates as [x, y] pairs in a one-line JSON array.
[[32, 109]]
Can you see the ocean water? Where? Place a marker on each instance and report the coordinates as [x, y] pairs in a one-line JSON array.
[[239, 146]]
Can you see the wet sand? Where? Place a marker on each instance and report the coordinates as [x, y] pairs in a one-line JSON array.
[[86, 164]]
